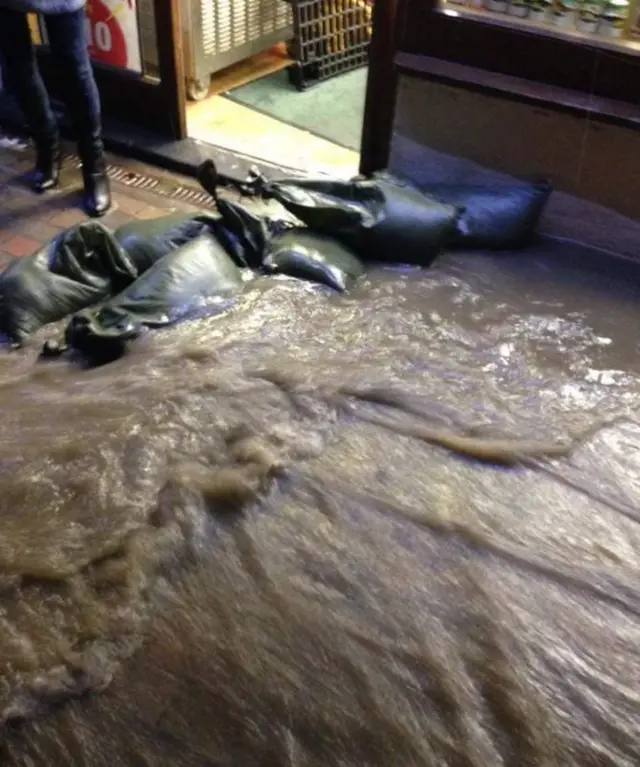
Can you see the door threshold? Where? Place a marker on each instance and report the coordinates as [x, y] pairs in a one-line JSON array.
[[182, 156]]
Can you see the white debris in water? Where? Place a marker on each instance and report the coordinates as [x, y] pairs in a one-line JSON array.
[[7, 142], [605, 377]]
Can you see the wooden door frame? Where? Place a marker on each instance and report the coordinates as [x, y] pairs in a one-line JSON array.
[[414, 37], [382, 84], [158, 105], [168, 20]]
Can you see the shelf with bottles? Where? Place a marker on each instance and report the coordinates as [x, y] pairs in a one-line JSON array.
[[609, 24]]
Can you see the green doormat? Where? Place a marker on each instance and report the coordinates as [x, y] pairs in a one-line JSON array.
[[332, 110]]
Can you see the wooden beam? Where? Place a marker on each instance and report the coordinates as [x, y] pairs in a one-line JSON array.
[[382, 84], [171, 63], [578, 103]]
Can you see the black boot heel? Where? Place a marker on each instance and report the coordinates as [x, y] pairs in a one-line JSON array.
[[97, 192], [47, 172]]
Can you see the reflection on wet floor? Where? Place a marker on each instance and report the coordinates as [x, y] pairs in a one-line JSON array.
[[216, 532], [223, 123]]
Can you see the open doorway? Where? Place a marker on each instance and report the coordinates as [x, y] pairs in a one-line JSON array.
[[280, 81]]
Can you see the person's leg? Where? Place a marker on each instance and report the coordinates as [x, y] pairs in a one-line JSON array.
[[20, 70], [68, 43]]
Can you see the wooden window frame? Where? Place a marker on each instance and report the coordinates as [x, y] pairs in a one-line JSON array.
[[159, 104], [415, 37]]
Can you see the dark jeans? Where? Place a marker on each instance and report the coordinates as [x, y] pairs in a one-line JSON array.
[[68, 44]]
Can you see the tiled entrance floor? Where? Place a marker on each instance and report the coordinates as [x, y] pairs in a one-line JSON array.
[[28, 220]]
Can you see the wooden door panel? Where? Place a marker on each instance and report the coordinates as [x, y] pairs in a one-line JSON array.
[[156, 104]]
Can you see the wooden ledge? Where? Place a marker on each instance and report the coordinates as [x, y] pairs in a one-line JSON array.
[[519, 89]]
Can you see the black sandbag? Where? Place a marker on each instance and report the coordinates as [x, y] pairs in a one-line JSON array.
[[311, 256], [183, 284], [378, 220], [496, 217], [247, 231], [148, 241], [78, 268]]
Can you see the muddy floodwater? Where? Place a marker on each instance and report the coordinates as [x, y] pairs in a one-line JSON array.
[[239, 546]]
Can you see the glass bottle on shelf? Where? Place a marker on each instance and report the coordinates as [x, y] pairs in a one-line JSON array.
[[519, 8], [540, 10], [497, 6], [614, 18], [588, 19], [564, 13], [632, 27]]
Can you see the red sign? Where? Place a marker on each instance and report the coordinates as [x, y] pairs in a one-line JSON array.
[[113, 33]]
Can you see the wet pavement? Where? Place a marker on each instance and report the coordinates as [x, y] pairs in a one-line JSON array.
[[260, 538], [28, 220]]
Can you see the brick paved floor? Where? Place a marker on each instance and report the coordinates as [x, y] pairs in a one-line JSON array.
[[28, 220]]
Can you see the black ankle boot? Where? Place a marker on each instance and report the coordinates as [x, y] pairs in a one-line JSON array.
[[47, 173], [97, 191]]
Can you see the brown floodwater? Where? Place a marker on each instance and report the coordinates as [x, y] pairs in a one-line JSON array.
[[239, 545]]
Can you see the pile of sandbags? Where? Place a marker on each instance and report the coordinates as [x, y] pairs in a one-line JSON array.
[[152, 274]]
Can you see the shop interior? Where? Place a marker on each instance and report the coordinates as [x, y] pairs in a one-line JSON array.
[[612, 24], [280, 81], [284, 80]]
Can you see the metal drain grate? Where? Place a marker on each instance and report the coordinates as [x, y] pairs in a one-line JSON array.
[[192, 196], [130, 179], [163, 187]]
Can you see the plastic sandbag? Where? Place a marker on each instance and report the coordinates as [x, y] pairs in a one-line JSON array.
[[148, 241], [78, 268], [494, 218], [378, 220], [311, 256], [248, 232], [181, 285]]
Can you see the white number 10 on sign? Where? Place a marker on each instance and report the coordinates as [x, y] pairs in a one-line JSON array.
[[99, 36]]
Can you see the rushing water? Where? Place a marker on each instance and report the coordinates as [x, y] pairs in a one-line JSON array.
[[237, 541]]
